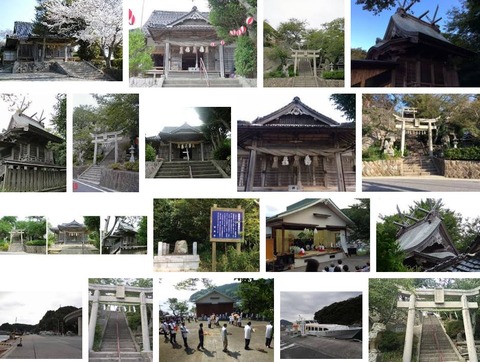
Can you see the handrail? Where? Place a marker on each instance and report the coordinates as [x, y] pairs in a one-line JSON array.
[[203, 70]]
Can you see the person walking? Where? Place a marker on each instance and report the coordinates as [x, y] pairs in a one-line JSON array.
[[184, 332], [269, 335], [201, 335], [172, 327], [248, 335], [224, 335]]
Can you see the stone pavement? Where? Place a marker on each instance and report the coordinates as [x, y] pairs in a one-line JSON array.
[[214, 347], [44, 347], [73, 249]]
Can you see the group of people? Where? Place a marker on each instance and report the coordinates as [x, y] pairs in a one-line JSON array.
[[313, 265], [170, 329]]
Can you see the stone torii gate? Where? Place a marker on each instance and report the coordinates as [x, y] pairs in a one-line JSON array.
[[305, 54], [439, 304], [116, 295], [105, 137], [409, 123]]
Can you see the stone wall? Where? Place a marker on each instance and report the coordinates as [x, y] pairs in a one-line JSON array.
[[36, 249], [462, 169], [151, 168], [382, 168], [123, 181]]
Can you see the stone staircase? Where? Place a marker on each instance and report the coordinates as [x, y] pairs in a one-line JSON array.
[[179, 169], [196, 83], [82, 70], [419, 166], [305, 77], [113, 349], [435, 345], [92, 175]]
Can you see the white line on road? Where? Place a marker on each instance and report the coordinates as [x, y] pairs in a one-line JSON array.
[[283, 347]]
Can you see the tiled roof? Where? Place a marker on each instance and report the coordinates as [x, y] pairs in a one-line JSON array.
[[162, 18]]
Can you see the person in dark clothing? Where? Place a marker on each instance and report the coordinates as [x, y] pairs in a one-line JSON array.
[[312, 265], [200, 337]]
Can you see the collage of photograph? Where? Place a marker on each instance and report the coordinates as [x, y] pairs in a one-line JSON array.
[[143, 224]]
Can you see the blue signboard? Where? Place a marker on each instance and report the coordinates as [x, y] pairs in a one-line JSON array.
[[226, 224]]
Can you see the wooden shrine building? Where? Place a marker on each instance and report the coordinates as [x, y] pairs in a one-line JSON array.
[[214, 302], [181, 143], [71, 233], [122, 238], [24, 45], [412, 53], [295, 148], [183, 41], [26, 161]]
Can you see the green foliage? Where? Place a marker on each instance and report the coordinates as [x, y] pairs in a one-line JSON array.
[[97, 339], [331, 40], [231, 14], [246, 57], [224, 151], [257, 296], [466, 153], [118, 111], [142, 234], [275, 74], [358, 54], [150, 153], [391, 341], [377, 6], [247, 261], [36, 242], [140, 55], [333, 74], [277, 52], [131, 166], [59, 121], [453, 327], [134, 282], [293, 32], [134, 320], [389, 256], [88, 51], [3, 246], [345, 312], [346, 104], [360, 215], [383, 297], [177, 307]]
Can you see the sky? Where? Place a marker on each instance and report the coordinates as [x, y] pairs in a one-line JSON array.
[[169, 116], [40, 102], [19, 10], [55, 220], [367, 27], [315, 12], [168, 290], [459, 202], [293, 304], [30, 307], [150, 5], [277, 205]]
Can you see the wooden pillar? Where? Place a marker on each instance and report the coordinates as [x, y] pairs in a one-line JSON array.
[[467, 325], [170, 152], [408, 348], [264, 171], [251, 168], [340, 175], [166, 60]]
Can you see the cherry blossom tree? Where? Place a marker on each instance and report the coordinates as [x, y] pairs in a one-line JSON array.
[[92, 21]]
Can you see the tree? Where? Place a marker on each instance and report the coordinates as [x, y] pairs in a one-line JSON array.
[[118, 111], [383, 297], [293, 32], [140, 55], [377, 6], [334, 39], [178, 307], [59, 122], [92, 21], [257, 296], [358, 53], [192, 284], [359, 213], [216, 128], [142, 233], [346, 104]]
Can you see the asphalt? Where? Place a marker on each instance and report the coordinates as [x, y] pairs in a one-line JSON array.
[[423, 183], [214, 347], [80, 186], [310, 347], [45, 347]]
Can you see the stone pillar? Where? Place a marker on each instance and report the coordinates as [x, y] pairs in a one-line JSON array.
[[80, 326], [144, 319], [166, 249], [166, 60], [160, 248], [407, 349], [295, 65], [194, 248], [430, 139], [201, 150], [95, 151], [170, 152], [93, 319], [315, 63], [222, 61], [467, 325]]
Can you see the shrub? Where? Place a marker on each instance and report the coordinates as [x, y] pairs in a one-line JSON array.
[[246, 57], [36, 242], [4, 246], [453, 327], [88, 51], [150, 153], [391, 341], [333, 74], [223, 151], [134, 320], [131, 166], [116, 166], [466, 153], [275, 74]]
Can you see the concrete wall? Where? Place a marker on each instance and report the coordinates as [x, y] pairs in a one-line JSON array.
[[382, 168]]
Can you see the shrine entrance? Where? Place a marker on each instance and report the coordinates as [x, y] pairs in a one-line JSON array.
[[434, 300], [109, 140]]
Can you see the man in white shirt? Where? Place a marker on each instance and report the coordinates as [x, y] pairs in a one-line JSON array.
[[223, 333], [184, 332], [248, 335], [268, 335]]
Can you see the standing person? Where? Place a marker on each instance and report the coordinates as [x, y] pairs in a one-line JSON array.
[[184, 332], [224, 337], [269, 335], [248, 335], [165, 331], [200, 337], [172, 327]]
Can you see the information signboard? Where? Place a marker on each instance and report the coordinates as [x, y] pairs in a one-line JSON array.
[[226, 224]]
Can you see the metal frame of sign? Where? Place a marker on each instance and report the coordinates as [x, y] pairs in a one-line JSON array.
[[226, 224]]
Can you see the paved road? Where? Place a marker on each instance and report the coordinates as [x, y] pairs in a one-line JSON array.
[[424, 183], [213, 345], [319, 348], [80, 186], [44, 347]]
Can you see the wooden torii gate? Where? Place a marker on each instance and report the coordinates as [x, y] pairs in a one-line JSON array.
[[408, 122], [439, 304], [305, 54], [100, 138]]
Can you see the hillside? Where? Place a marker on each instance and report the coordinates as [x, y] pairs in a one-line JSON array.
[[346, 312]]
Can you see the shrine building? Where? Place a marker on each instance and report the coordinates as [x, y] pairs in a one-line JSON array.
[[296, 148], [71, 233]]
